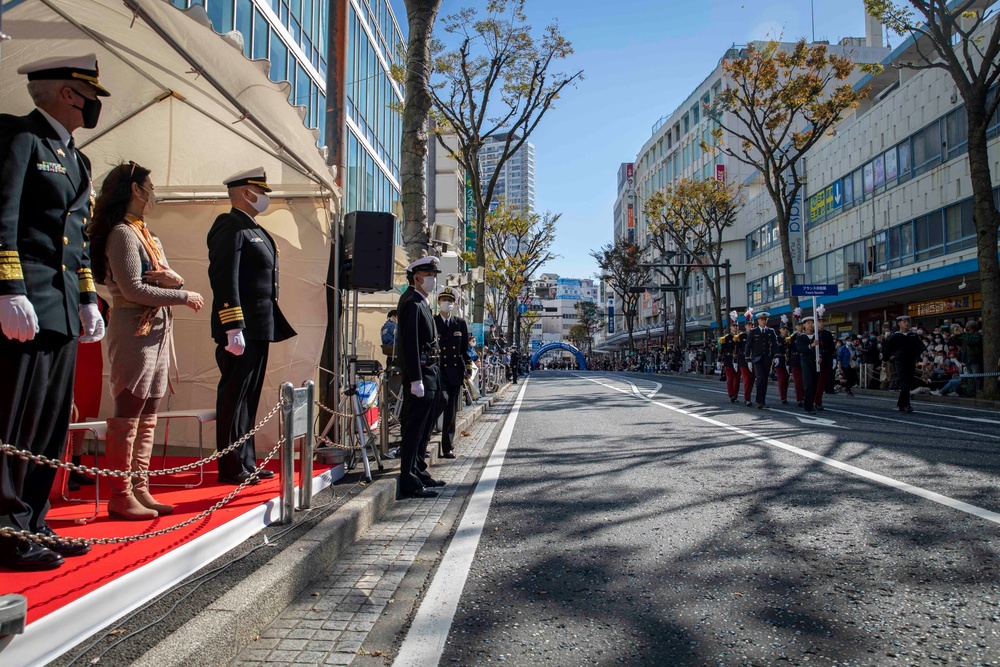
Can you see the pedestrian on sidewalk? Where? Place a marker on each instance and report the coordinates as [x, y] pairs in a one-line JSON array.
[[419, 356], [130, 260], [456, 365]]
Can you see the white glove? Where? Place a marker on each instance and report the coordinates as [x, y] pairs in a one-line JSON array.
[[776, 360], [236, 342], [92, 323], [736, 366], [417, 388], [17, 318], [750, 365]]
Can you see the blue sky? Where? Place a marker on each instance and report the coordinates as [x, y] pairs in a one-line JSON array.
[[641, 59]]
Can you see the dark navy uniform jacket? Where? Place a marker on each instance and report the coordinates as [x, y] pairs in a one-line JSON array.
[[453, 335], [243, 271], [45, 207], [417, 341], [760, 344]]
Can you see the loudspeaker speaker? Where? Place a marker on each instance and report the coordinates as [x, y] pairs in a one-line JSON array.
[[369, 239]]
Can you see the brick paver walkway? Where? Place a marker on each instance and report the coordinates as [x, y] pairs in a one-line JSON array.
[[330, 621]]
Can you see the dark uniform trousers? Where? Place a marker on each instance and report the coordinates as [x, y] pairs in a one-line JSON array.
[[45, 191], [35, 418], [417, 420], [236, 404], [905, 369], [810, 380], [450, 411], [782, 371], [761, 372]]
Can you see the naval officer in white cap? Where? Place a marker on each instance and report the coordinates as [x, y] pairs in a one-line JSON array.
[[47, 298], [419, 359], [246, 319]]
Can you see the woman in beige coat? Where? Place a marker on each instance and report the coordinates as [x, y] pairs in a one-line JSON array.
[[129, 260]]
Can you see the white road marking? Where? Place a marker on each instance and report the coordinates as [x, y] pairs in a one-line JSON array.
[[424, 643], [918, 424], [981, 420], [938, 498], [810, 419]]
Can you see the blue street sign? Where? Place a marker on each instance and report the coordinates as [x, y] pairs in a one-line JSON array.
[[814, 290], [522, 308], [838, 194]]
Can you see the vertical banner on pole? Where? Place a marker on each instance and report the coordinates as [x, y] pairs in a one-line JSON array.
[[611, 319]]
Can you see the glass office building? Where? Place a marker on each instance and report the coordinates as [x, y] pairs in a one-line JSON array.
[[293, 36]]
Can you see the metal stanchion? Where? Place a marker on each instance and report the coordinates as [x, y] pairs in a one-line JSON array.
[[306, 453], [287, 454]]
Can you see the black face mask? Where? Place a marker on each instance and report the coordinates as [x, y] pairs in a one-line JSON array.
[[91, 112]]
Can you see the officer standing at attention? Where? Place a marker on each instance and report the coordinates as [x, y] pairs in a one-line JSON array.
[[827, 355], [246, 319], [904, 347], [781, 360], [419, 357], [456, 365], [47, 295], [727, 353], [761, 345], [805, 343]]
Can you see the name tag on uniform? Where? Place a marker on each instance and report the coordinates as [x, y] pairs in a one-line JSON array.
[[256, 239], [457, 333], [51, 167]]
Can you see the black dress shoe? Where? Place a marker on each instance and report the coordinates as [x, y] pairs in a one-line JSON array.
[[448, 455], [733, 399], [265, 474], [29, 556], [236, 480], [419, 493], [907, 409], [433, 483], [819, 408], [80, 479], [800, 403], [784, 402], [761, 406], [749, 404], [810, 410], [63, 548]]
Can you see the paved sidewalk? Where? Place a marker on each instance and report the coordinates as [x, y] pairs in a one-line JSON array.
[[329, 623]]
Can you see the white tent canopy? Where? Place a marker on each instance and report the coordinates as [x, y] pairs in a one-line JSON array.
[[188, 105]]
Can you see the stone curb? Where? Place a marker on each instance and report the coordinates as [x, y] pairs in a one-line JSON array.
[[218, 634]]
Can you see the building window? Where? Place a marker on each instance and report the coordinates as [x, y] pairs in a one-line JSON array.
[[927, 149], [957, 124]]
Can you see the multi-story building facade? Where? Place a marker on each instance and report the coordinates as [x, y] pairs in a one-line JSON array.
[[555, 300], [293, 36], [516, 183], [887, 208], [673, 152]]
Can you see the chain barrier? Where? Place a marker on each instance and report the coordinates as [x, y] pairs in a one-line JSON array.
[[323, 440], [11, 450], [75, 541]]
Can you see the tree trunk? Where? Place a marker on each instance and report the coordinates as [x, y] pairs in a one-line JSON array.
[[421, 15], [679, 321], [987, 220], [786, 255]]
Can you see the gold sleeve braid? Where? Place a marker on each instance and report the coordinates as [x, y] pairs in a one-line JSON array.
[[10, 265], [230, 315], [86, 280]]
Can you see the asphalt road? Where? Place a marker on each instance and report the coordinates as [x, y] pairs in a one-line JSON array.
[[675, 528]]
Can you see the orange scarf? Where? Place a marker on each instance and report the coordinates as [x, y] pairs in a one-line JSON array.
[[147, 314]]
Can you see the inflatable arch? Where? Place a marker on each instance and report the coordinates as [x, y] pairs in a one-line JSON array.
[[548, 347]]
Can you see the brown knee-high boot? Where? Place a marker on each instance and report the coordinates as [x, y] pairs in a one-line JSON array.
[[120, 439], [141, 453]]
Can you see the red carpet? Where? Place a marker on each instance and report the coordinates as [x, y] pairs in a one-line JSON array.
[[50, 591]]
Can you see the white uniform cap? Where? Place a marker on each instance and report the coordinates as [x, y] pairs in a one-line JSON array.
[[255, 176], [807, 319], [63, 68], [428, 264], [763, 314]]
